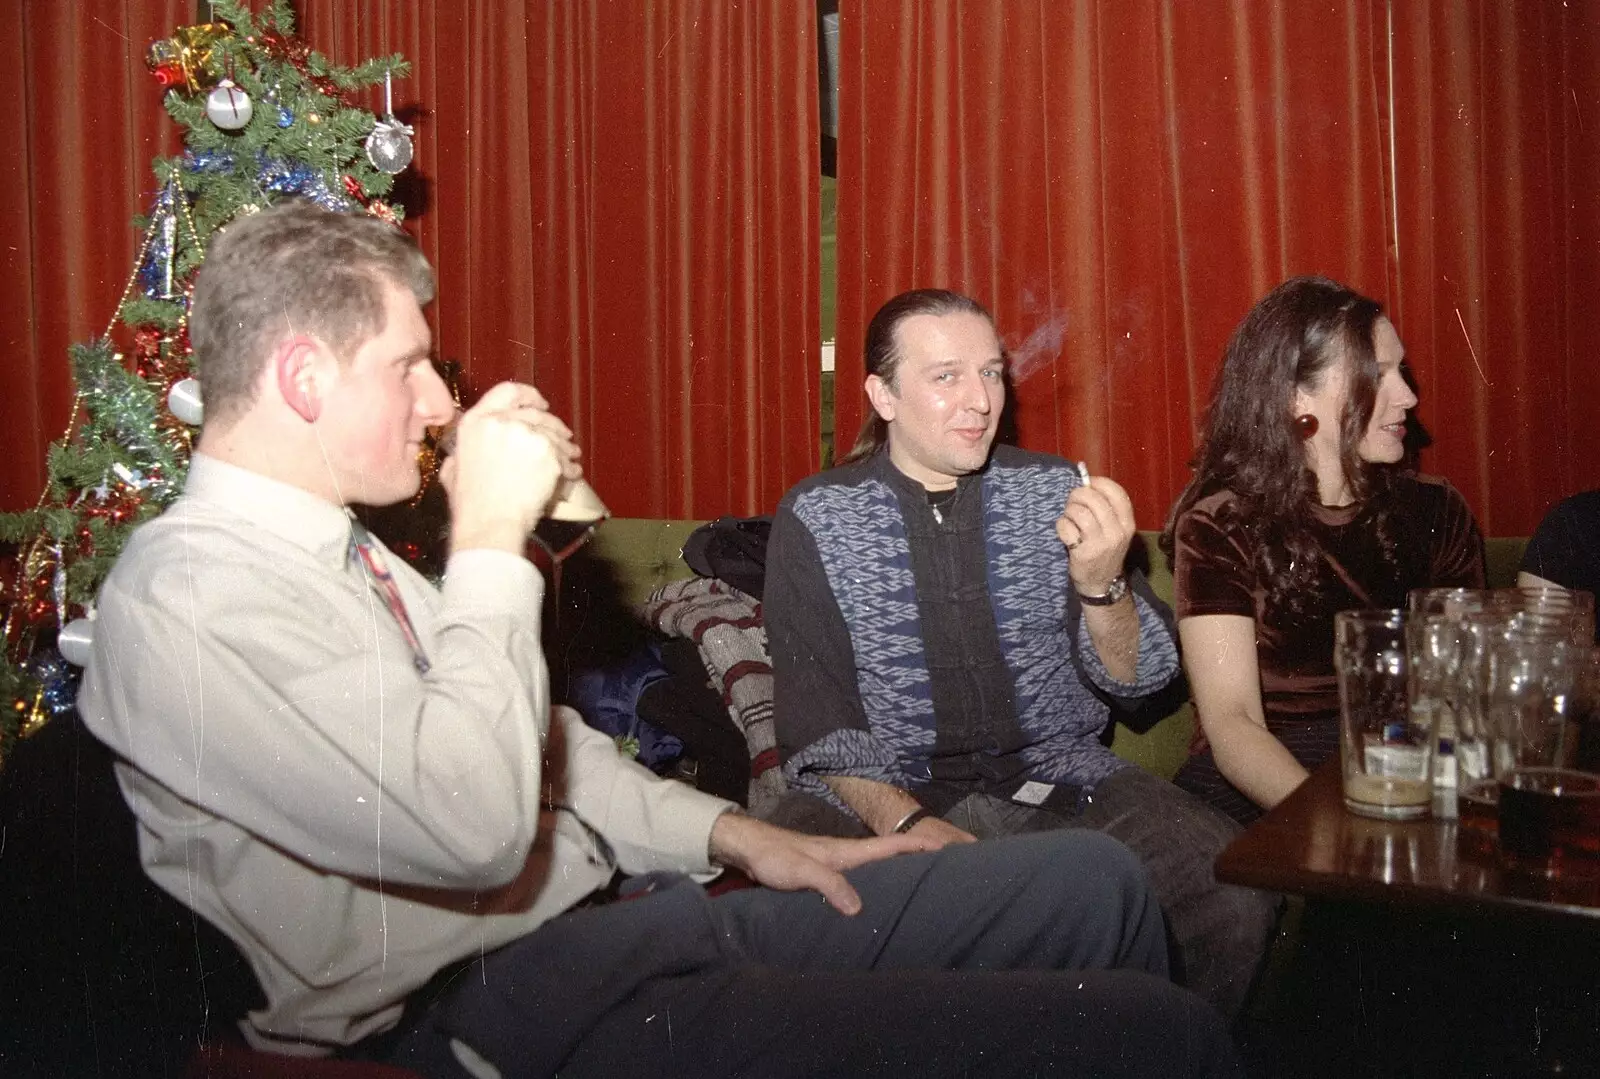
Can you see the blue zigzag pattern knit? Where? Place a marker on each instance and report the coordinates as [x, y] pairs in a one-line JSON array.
[[862, 543]]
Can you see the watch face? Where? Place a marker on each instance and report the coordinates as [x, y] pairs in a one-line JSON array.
[[1114, 591]]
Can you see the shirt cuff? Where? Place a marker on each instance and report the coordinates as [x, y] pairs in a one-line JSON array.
[[683, 841], [485, 579]]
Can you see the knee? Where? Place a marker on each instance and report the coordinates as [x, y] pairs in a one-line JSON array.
[[1079, 858], [1252, 912]]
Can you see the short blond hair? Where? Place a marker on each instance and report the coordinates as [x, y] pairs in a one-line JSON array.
[[293, 267]]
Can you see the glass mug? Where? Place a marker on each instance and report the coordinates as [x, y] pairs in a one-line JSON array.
[[1386, 748], [1522, 681], [1436, 639]]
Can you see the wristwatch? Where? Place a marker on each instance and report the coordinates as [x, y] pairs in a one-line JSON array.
[[1114, 591]]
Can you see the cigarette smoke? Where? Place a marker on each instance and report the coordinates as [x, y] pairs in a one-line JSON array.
[[1040, 349]]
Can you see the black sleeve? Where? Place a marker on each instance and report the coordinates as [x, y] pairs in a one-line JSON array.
[[813, 663], [1565, 549]]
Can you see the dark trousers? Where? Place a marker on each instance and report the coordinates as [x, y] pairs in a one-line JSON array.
[[1220, 932], [1034, 955]]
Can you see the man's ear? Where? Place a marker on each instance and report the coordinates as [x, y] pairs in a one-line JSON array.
[[881, 396], [294, 369]]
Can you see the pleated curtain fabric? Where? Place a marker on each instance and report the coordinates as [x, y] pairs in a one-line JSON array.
[[80, 120], [1120, 183], [621, 200]]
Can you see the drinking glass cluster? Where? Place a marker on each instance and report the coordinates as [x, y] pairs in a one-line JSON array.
[[1509, 677]]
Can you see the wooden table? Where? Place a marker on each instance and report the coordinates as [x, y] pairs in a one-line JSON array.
[[1311, 845]]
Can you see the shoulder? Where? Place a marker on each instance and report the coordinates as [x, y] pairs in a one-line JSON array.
[[1429, 499], [1007, 457], [1015, 474], [1419, 487], [1212, 533], [1216, 512], [852, 496], [199, 556], [1011, 463], [1580, 513], [1562, 548], [840, 476]]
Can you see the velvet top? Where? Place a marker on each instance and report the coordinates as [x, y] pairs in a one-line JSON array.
[[1437, 544]]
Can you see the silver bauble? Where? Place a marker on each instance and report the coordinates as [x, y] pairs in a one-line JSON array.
[[74, 641], [184, 401], [389, 146]]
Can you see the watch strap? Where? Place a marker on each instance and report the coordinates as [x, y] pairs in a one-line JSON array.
[[1114, 591]]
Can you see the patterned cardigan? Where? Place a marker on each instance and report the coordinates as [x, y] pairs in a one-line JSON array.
[[847, 620]]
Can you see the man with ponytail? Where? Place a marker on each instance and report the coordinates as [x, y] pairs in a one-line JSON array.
[[953, 627]]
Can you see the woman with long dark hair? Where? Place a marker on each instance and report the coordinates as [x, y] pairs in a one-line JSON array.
[[1299, 508]]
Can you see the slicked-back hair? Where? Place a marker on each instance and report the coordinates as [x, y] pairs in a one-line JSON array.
[[1292, 339], [293, 268], [883, 351]]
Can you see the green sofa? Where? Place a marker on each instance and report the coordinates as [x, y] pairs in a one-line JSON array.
[[644, 554]]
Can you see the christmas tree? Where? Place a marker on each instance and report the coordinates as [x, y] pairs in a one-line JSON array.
[[264, 118]]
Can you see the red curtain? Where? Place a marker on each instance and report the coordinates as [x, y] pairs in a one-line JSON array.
[[1120, 182], [1497, 151], [81, 123], [621, 201]]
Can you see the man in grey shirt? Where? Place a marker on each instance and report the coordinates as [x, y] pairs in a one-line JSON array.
[[358, 777]]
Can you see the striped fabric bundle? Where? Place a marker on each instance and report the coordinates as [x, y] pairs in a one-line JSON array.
[[725, 624]]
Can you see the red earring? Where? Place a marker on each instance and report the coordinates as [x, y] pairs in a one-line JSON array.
[[1305, 425]]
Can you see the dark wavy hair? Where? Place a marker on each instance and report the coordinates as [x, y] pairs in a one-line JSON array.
[[1291, 340], [883, 351]]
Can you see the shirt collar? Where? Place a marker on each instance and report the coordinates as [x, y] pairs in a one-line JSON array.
[[296, 515], [890, 473]]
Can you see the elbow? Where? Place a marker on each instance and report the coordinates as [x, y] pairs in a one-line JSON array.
[[493, 857], [484, 839]]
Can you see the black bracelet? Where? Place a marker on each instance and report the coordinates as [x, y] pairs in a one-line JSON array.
[[909, 821]]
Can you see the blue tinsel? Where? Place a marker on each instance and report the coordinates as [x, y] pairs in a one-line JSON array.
[[153, 271], [283, 177], [209, 161], [274, 175], [329, 199], [58, 678]]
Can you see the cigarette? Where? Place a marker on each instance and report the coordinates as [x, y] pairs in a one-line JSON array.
[[1083, 472]]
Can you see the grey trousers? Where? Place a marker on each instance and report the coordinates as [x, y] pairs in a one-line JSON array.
[[1034, 955], [1219, 932]]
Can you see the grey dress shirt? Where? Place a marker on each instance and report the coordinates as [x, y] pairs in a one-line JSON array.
[[351, 824]]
